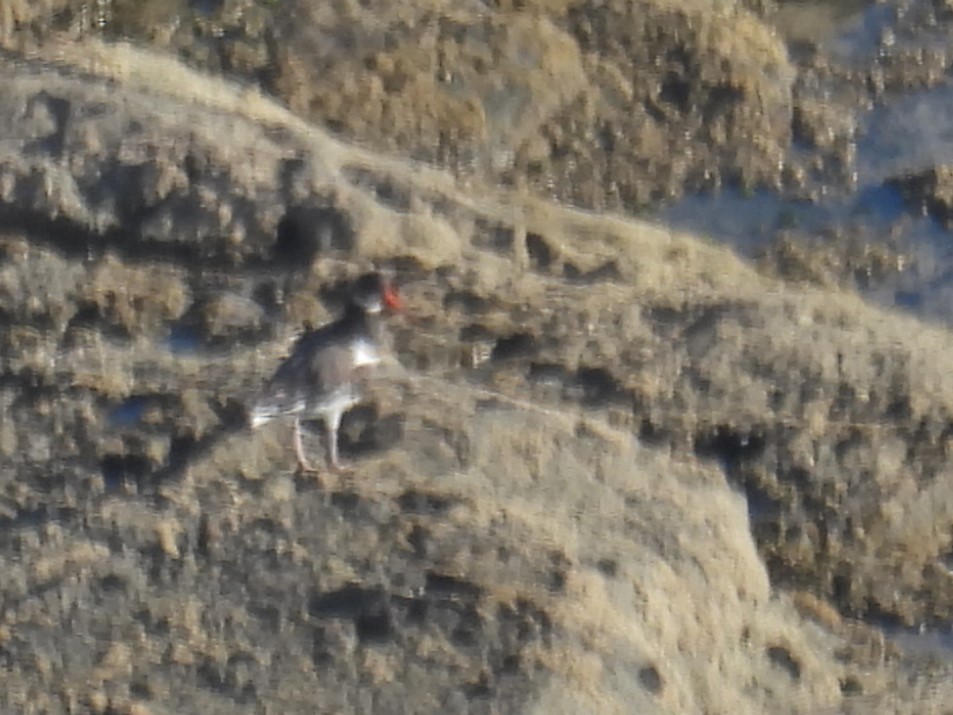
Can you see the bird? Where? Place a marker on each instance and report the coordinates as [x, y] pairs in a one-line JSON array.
[[324, 375]]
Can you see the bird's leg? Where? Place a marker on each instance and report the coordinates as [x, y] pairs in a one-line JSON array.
[[332, 423], [303, 464]]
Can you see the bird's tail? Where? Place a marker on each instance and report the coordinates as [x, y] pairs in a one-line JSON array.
[[271, 404]]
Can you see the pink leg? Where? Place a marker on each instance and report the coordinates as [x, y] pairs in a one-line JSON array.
[[332, 422], [303, 464]]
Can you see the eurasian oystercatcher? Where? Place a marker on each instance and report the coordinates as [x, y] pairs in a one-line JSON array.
[[325, 373]]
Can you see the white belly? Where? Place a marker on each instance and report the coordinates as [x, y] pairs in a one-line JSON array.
[[364, 354]]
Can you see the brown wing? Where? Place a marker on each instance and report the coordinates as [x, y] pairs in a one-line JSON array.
[[311, 372], [330, 368]]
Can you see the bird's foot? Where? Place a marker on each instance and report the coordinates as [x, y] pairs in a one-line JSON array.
[[305, 467], [339, 467]]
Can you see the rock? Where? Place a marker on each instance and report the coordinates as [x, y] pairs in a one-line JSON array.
[[608, 105], [929, 191], [601, 516], [603, 104]]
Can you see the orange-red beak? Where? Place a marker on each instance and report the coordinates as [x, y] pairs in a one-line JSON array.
[[392, 299]]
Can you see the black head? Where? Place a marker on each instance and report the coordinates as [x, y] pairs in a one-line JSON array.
[[375, 292]]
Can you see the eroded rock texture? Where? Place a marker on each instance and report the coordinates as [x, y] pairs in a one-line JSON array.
[[609, 451]]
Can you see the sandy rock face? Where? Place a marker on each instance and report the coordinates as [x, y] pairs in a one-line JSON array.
[[552, 503], [602, 104]]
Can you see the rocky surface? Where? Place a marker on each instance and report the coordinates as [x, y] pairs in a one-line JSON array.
[[546, 530], [929, 191], [617, 469], [606, 105]]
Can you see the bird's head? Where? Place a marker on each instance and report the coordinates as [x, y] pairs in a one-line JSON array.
[[376, 292]]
